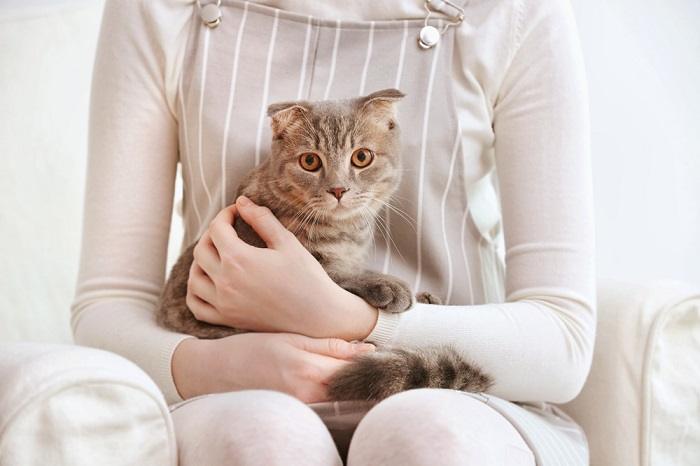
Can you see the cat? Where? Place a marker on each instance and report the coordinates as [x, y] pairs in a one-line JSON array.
[[333, 167]]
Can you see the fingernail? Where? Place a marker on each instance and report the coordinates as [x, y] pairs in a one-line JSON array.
[[244, 201]]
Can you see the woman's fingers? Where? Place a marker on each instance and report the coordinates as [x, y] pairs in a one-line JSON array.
[[263, 221], [326, 368], [202, 310], [335, 347], [205, 255], [221, 230], [200, 284]]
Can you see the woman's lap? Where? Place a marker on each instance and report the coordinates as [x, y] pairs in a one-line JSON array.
[[416, 427]]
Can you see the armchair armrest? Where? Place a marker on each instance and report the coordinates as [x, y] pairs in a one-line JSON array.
[[641, 403], [71, 405]]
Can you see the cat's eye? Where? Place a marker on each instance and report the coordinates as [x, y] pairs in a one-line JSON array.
[[362, 157], [310, 161]]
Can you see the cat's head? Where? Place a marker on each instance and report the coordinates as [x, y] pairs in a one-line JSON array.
[[339, 158]]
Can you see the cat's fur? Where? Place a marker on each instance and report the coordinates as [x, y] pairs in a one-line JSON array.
[[338, 232]]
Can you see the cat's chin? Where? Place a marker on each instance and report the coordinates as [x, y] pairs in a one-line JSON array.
[[341, 211]]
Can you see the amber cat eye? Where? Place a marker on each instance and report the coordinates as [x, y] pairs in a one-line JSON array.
[[310, 161], [362, 157]]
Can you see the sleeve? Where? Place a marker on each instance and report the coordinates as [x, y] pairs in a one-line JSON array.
[[131, 169], [538, 345]]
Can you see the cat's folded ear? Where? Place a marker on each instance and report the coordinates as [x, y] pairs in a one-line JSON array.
[[380, 104], [381, 99], [286, 116]]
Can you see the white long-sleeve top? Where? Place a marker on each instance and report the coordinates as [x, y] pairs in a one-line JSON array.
[[537, 344]]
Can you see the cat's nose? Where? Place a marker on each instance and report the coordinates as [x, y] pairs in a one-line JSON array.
[[338, 192]]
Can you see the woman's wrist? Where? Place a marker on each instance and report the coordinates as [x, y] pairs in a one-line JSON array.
[[353, 318], [186, 366]]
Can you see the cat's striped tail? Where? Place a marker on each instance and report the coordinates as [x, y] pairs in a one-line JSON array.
[[384, 372]]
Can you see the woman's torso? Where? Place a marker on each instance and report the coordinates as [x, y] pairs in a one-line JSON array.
[[446, 238]]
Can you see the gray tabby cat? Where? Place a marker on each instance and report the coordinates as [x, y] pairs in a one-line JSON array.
[[333, 166]]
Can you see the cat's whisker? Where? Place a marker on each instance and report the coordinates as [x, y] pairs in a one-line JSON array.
[[402, 198], [298, 216], [311, 224], [395, 196], [383, 227], [369, 225], [306, 219], [306, 214], [407, 218], [398, 210], [316, 218]]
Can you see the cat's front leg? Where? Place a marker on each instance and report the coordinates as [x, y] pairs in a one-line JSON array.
[[382, 291]]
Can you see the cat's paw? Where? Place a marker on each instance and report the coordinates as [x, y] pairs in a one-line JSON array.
[[426, 297], [388, 294]]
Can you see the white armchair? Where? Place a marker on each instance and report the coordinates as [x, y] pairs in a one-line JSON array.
[[639, 407], [641, 402], [61, 404]]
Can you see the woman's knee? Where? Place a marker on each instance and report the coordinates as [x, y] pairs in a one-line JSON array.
[[252, 427], [431, 426]]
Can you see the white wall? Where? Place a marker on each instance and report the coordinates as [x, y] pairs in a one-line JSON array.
[[46, 56], [643, 62]]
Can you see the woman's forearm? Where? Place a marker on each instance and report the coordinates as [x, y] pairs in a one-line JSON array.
[[538, 349], [285, 362]]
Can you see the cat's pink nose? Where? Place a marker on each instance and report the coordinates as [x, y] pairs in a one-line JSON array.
[[338, 192]]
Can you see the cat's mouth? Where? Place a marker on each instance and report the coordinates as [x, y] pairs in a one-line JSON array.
[[340, 208]]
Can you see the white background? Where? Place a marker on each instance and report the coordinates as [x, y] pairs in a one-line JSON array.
[[643, 62]]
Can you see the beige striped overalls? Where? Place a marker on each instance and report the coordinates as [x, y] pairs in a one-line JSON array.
[[452, 244]]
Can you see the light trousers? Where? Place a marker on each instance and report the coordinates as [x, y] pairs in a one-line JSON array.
[[417, 427]]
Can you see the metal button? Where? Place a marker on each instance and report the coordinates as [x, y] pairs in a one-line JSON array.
[[211, 15], [429, 37]]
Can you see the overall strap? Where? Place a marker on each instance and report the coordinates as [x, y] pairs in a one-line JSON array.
[[440, 15], [484, 206]]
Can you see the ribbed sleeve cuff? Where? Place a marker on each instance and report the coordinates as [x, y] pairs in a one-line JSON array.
[[385, 328]]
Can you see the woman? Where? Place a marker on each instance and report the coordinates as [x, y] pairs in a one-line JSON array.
[[495, 113]]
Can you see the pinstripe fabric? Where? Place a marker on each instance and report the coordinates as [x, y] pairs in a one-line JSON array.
[[200, 128], [231, 95], [450, 278], [550, 431], [260, 55]]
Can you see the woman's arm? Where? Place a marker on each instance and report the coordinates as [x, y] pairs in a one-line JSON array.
[[538, 345], [133, 154], [130, 181]]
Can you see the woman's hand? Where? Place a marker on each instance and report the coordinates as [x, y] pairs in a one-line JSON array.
[[294, 364], [281, 288]]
